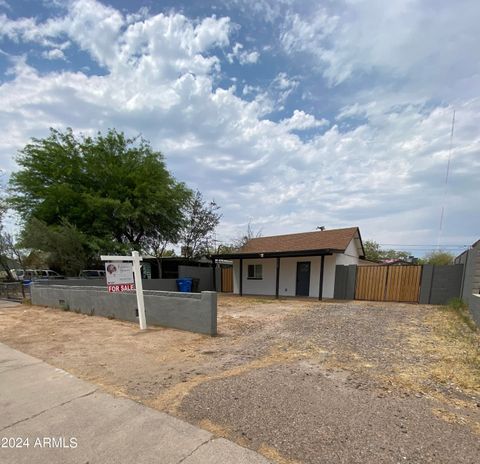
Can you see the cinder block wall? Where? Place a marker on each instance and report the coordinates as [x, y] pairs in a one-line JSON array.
[[440, 283], [195, 312], [471, 281], [474, 306]]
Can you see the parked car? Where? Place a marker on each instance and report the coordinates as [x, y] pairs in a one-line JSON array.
[[49, 274], [37, 274], [92, 274]]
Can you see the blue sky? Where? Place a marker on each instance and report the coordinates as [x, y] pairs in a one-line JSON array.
[[290, 114]]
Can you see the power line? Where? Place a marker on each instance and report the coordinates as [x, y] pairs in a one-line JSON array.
[[442, 214]]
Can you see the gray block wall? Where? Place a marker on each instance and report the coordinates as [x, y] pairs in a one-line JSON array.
[[471, 280], [195, 312], [345, 280], [474, 306], [440, 283], [166, 285], [426, 284]]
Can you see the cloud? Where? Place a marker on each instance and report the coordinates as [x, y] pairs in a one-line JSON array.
[[242, 56], [399, 39], [302, 121], [53, 54], [380, 164]]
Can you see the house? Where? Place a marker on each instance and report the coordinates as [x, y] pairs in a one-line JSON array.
[[294, 265]]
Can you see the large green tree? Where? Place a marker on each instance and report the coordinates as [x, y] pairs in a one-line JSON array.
[[112, 192]]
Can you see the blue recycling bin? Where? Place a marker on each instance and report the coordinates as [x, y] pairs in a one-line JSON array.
[[184, 285]]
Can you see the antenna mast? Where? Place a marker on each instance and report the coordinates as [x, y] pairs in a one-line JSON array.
[[442, 214]]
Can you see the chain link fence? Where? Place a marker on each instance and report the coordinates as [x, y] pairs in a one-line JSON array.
[[16, 291]]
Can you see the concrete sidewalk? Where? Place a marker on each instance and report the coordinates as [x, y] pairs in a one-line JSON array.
[[66, 420]]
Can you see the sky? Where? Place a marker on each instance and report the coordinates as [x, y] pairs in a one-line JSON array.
[[289, 114]]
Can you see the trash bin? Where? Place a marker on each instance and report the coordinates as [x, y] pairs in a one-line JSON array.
[[184, 285], [195, 284]]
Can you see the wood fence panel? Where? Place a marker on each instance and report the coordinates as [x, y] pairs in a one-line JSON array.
[[371, 283], [388, 283], [227, 279], [410, 285]]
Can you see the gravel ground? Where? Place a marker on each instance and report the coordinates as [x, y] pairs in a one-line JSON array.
[[341, 397], [297, 380]]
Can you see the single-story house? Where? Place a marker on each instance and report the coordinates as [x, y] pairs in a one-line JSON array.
[[295, 264]]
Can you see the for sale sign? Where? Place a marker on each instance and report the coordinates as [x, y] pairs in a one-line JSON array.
[[119, 276], [121, 288]]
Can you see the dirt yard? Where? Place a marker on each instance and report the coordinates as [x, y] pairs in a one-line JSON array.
[[297, 380]]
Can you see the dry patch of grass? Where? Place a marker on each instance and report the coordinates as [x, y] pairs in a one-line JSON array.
[[453, 350], [271, 453], [447, 359], [454, 418]]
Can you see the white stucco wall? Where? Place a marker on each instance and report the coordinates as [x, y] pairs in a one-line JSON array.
[[350, 256], [266, 286], [288, 276]]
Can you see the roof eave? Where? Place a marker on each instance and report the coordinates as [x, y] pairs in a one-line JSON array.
[[278, 254]]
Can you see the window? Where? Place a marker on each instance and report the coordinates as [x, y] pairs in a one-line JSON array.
[[255, 271]]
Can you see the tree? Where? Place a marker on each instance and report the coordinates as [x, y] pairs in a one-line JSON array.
[[201, 219], [374, 252], [250, 233], [64, 245], [112, 191], [439, 258], [9, 251]]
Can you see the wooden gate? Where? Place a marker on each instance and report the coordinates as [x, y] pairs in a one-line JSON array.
[[388, 283], [227, 279]]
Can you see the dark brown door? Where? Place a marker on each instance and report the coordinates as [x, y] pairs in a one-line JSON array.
[[303, 278]]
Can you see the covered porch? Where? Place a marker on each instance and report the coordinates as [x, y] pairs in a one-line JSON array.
[[296, 273]]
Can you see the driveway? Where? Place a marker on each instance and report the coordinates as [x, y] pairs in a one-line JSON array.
[[297, 380]]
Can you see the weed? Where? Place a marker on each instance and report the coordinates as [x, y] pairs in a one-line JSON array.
[[460, 308], [64, 306]]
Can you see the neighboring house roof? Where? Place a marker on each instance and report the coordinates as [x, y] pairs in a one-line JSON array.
[[392, 261], [317, 242]]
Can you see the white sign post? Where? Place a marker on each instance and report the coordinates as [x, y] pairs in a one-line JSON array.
[[119, 279]]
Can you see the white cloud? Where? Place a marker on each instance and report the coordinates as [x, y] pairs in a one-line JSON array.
[[384, 174], [398, 38], [242, 56], [53, 54], [302, 121]]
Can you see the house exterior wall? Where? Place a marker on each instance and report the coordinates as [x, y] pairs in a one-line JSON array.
[[350, 256], [288, 276]]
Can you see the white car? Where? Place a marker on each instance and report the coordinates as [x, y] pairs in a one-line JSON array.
[[36, 274]]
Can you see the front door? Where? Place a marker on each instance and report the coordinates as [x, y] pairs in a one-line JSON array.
[[303, 278]]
